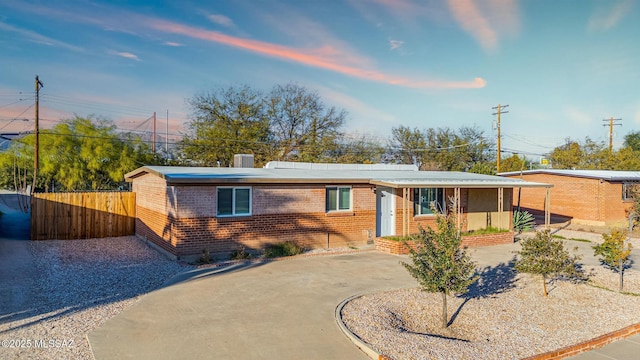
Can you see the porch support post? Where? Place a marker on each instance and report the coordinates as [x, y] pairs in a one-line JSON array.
[[405, 212], [500, 206], [408, 212], [458, 213], [547, 209]]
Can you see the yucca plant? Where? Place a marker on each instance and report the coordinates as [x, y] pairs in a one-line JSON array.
[[523, 221]]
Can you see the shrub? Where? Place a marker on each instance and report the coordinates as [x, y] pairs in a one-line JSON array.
[[523, 221], [288, 248], [241, 254], [205, 257]]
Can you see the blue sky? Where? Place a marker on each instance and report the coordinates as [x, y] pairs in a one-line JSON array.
[[562, 66]]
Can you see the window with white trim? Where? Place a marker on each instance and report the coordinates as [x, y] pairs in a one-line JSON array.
[[338, 198], [234, 201], [425, 198]]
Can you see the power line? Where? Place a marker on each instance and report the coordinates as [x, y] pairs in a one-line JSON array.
[[95, 106], [528, 142], [86, 102], [15, 102]]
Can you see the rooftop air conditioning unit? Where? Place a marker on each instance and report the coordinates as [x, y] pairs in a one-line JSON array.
[[243, 160]]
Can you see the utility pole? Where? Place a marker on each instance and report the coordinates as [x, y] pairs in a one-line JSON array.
[[166, 139], [36, 143], [611, 124], [499, 111]]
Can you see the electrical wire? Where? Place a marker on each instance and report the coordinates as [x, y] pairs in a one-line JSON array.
[[15, 102]]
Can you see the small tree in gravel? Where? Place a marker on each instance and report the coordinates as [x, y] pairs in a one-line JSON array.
[[438, 262], [614, 252], [544, 255]]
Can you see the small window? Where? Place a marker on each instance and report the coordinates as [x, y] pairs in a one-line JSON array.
[[338, 198], [233, 201], [425, 198], [629, 190]]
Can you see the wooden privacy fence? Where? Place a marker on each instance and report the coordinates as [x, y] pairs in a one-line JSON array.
[[84, 215]]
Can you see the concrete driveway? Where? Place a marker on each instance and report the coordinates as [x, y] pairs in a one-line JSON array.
[[274, 310]]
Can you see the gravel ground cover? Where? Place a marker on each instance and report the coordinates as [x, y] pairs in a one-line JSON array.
[[503, 316], [79, 285]]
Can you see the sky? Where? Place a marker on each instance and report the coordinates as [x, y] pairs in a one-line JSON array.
[[561, 66]]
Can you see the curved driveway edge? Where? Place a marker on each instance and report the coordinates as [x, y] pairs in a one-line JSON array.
[[366, 348]]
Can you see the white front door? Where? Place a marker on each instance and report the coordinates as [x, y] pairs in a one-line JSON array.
[[385, 211]]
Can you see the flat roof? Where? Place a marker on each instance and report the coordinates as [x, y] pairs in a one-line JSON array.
[[176, 175], [610, 175]]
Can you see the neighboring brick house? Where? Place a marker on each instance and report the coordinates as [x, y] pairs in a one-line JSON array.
[[185, 210], [589, 197]]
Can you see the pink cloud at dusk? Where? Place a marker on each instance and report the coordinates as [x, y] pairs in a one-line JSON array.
[[474, 22], [325, 57], [486, 20], [302, 29]]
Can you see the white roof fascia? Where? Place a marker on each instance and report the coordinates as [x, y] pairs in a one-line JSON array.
[[610, 175]]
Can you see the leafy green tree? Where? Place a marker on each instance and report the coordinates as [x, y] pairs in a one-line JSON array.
[[513, 163], [357, 150], [472, 147], [302, 127], [16, 165], [406, 145], [483, 168], [78, 154], [288, 123], [627, 159], [442, 149], [593, 155], [566, 156], [614, 252], [226, 122], [439, 264], [632, 140], [545, 256]]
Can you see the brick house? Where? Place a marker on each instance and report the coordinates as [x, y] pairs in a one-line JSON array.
[[589, 197], [184, 210]]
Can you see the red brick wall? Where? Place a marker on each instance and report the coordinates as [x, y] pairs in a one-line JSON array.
[[588, 345], [582, 199], [398, 248], [255, 232], [183, 221], [279, 213]]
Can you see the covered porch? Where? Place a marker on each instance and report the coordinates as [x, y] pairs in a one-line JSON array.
[[475, 204]]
